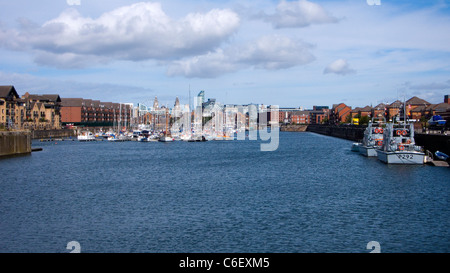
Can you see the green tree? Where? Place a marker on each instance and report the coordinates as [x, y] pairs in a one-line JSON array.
[[364, 120], [348, 119]]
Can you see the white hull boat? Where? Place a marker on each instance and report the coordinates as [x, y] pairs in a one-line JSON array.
[[87, 136], [367, 151], [372, 140], [401, 157], [399, 146], [166, 139]]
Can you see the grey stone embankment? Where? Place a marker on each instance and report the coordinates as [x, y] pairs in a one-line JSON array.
[[293, 128], [434, 142], [15, 143], [354, 133], [45, 134], [431, 142]]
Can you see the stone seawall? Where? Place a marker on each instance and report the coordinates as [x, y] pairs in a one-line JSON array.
[[293, 128], [15, 143], [431, 142], [434, 142], [354, 133], [44, 134]]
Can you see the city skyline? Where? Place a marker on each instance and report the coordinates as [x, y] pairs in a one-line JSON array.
[[286, 53]]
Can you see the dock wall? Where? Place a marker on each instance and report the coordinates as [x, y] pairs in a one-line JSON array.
[[434, 142], [431, 142], [44, 134], [15, 143], [354, 133], [293, 128]]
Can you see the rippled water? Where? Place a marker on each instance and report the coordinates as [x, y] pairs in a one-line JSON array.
[[311, 195]]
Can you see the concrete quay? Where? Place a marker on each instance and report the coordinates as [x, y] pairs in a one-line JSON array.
[[15, 143]]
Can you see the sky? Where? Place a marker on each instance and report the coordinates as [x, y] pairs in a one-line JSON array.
[[296, 53]]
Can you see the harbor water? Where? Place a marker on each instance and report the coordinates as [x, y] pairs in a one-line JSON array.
[[310, 195]]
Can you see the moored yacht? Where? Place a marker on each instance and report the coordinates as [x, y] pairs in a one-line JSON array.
[[86, 136]]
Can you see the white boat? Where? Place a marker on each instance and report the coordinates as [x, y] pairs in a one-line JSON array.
[[148, 138], [112, 137], [119, 138], [373, 139], [166, 139], [86, 136], [123, 137], [399, 146], [186, 137]]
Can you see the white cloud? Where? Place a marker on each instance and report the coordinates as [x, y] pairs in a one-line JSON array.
[[300, 13], [140, 31], [340, 67], [270, 52]]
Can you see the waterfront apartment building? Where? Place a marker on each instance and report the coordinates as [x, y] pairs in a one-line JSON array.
[[88, 112], [319, 114], [300, 117], [339, 113], [42, 112], [379, 110], [366, 111], [11, 109], [426, 112]]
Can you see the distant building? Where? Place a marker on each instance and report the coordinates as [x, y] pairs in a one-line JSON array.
[[379, 110], [49, 107], [318, 114], [285, 114], [413, 103], [87, 112], [33, 112], [176, 111], [444, 111], [200, 99], [394, 109], [300, 117], [9, 106], [339, 113], [366, 111]]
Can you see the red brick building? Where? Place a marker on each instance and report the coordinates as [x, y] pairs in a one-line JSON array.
[[89, 112], [300, 117], [339, 113]]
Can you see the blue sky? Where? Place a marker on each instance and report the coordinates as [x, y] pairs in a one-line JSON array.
[[286, 53]]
